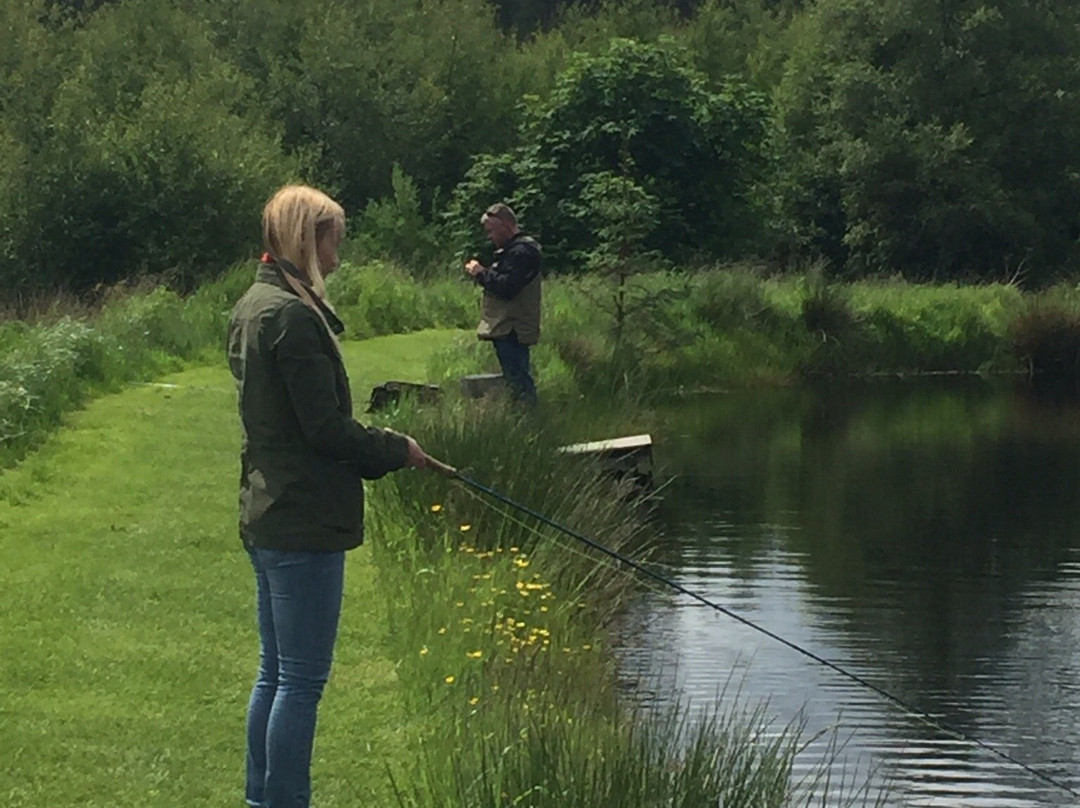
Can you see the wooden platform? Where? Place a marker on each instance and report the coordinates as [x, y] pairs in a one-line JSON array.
[[629, 456], [390, 394], [479, 385]]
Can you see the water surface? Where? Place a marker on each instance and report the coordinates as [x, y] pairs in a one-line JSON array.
[[923, 535]]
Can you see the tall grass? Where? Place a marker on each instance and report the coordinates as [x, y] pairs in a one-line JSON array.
[[736, 326], [1046, 338], [500, 627]]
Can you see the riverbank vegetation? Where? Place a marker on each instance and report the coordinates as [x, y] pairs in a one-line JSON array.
[[676, 332]]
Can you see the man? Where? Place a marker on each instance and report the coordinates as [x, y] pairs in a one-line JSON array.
[[510, 310]]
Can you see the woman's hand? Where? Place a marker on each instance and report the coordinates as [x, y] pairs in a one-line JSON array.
[[417, 458]]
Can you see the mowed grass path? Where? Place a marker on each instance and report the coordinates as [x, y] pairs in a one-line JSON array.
[[128, 645]]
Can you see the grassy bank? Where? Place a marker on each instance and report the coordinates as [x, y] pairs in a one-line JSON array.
[[71, 352], [679, 331], [473, 665]]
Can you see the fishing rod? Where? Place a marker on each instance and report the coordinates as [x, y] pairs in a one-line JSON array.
[[455, 474]]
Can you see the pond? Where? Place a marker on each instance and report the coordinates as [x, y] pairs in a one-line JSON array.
[[923, 535]]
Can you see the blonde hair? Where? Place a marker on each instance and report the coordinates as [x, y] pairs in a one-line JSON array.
[[293, 221]]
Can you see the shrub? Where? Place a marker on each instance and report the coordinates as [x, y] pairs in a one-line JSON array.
[[142, 159], [898, 157], [381, 298], [395, 229], [1046, 339]]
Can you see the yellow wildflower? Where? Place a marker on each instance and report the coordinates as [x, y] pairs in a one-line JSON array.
[[436, 508], [464, 528], [474, 654], [449, 680]]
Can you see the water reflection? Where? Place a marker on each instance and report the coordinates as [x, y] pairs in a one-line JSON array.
[[923, 535]]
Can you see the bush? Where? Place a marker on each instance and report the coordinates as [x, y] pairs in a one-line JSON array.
[[1046, 339], [381, 298], [141, 160], [395, 229]]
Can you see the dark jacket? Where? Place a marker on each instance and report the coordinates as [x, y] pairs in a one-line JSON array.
[[511, 284], [303, 456]]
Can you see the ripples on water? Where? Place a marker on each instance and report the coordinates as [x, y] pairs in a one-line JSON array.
[[999, 660]]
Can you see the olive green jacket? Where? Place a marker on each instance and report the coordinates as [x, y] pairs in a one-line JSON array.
[[303, 456]]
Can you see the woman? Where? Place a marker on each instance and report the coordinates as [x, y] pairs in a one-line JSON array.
[[301, 490]]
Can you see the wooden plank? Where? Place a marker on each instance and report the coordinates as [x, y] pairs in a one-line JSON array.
[[630, 443], [479, 385], [390, 394]]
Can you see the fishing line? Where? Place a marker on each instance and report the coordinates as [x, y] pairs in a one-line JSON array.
[[569, 547], [566, 546], [644, 570]]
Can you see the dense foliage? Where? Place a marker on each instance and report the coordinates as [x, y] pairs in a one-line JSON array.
[[936, 139], [640, 111]]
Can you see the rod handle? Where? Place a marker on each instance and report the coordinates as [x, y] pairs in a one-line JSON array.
[[443, 468]]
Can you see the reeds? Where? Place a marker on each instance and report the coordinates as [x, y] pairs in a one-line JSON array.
[[501, 628]]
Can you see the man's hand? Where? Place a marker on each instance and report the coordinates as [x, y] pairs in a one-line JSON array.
[[474, 267]]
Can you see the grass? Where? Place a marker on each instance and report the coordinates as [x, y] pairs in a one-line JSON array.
[[499, 623], [70, 353], [127, 644]]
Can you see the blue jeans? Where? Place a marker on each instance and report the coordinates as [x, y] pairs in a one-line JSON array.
[[298, 597], [514, 361]]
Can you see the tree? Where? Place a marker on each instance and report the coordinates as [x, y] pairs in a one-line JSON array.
[[622, 215], [138, 159], [698, 151], [939, 138]]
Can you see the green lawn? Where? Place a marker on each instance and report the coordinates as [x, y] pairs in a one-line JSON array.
[[127, 645]]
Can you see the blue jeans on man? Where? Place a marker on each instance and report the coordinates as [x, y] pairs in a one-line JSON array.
[[514, 361], [298, 597]]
